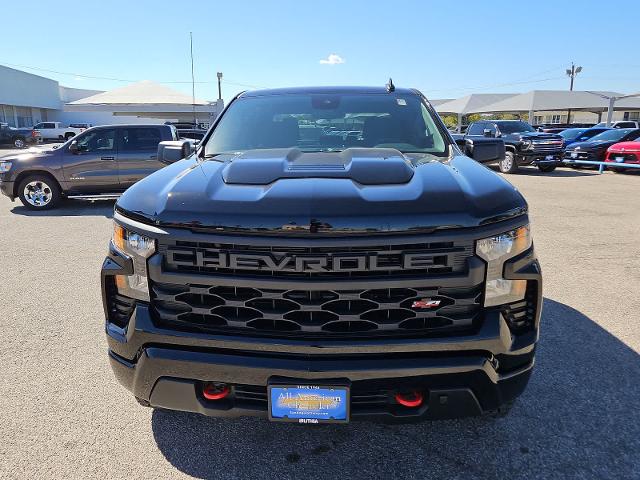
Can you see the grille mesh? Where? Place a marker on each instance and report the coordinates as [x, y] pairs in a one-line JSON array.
[[315, 313]]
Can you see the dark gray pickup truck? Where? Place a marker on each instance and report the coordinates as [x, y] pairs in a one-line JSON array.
[[100, 161]]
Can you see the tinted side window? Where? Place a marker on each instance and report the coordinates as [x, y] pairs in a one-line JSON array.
[[140, 139], [103, 140], [476, 128]]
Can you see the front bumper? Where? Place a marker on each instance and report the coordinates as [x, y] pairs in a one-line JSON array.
[[540, 158], [6, 188], [458, 375]]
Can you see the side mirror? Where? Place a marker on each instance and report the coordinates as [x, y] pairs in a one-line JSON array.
[[172, 151], [487, 133], [485, 150], [73, 147]]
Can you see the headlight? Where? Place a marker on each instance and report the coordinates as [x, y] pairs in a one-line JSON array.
[[495, 251], [137, 247], [527, 144], [5, 167]]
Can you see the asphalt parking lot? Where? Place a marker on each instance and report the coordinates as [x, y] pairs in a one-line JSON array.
[[64, 416]]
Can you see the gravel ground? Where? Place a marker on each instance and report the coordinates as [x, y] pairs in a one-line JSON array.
[[64, 416]]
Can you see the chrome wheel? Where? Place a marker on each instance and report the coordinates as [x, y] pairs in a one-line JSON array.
[[507, 163], [18, 143], [38, 193]]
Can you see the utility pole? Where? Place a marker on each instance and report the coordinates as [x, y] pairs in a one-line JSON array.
[[219, 86], [571, 73], [193, 85]]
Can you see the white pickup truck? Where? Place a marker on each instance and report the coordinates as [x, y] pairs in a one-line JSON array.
[[56, 131]]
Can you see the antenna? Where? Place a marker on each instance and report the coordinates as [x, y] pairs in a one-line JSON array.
[[390, 86], [193, 85]]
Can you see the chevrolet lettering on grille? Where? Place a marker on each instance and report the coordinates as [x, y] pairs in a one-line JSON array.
[[283, 262]]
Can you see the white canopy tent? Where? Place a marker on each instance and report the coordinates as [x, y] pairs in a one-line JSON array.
[[469, 104], [551, 100], [147, 99]]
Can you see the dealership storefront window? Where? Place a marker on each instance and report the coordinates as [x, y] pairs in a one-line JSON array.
[[7, 115], [24, 117]]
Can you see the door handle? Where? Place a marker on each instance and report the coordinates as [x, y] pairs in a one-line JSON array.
[[107, 158]]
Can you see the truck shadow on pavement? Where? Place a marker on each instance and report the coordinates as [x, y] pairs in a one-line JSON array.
[[579, 417], [557, 173], [70, 208]]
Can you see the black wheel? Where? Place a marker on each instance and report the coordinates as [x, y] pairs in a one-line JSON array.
[[546, 168], [39, 192], [19, 142], [69, 135], [508, 163]]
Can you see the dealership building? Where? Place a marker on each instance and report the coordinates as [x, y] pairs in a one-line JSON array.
[[27, 99]]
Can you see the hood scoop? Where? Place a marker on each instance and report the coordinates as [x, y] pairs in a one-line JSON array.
[[367, 166]]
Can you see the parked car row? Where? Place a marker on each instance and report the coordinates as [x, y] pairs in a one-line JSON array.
[[524, 145], [596, 148]]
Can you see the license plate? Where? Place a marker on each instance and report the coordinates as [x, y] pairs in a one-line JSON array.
[[308, 404], [549, 157], [620, 159], [574, 155]]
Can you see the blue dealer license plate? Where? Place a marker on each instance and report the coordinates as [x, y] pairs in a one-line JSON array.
[[308, 404]]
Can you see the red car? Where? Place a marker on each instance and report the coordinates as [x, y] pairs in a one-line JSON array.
[[624, 152]]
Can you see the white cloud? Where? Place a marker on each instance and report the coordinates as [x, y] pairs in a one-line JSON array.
[[332, 59]]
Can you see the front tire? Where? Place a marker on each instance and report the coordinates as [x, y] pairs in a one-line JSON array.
[[546, 168], [39, 192], [508, 163], [19, 142]]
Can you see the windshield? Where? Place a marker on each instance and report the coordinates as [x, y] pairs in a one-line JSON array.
[[572, 133], [327, 123], [515, 127], [615, 134]]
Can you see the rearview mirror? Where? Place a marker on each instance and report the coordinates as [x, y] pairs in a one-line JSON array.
[[73, 147], [485, 150], [487, 132], [172, 151]]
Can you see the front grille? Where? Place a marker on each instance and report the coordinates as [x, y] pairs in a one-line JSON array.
[[580, 155], [305, 313], [340, 262], [628, 157], [544, 146]]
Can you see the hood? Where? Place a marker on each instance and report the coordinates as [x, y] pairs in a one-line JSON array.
[[592, 145], [29, 155], [625, 147], [533, 136], [354, 191]]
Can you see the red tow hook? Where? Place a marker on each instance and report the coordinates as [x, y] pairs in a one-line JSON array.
[[215, 391], [411, 400]]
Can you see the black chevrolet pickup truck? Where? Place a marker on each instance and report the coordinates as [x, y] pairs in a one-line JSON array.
[[523, 144], [326, 255]]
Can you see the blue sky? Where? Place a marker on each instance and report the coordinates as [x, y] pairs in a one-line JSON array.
[[446, 49]]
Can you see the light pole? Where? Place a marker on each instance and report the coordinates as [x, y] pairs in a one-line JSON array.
[[571, 73], [219, 86]]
